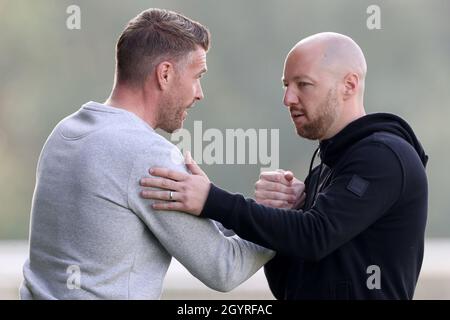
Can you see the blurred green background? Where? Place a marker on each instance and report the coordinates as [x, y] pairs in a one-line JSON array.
[[48, 71]]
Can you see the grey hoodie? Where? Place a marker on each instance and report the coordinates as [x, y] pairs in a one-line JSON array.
[[93, 237]]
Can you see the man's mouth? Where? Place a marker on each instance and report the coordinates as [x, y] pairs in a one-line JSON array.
[[185, 112], [296, 115]]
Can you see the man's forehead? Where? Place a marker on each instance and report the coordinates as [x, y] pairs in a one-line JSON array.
[[305, 55], [301, 63], [199, 58], [297, 69]]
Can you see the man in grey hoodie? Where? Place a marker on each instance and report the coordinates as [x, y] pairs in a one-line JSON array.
[[92, 236]]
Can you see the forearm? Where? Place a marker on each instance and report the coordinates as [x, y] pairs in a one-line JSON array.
[[221, 263], [251, 221], [310, 235]]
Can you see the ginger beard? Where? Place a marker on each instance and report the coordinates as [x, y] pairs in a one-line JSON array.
[[321, 119]]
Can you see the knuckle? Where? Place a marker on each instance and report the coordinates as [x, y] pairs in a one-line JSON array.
[[299, 183], [266, 176], [263, 185]]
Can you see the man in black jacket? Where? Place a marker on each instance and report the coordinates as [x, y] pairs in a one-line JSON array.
[[359, 234]]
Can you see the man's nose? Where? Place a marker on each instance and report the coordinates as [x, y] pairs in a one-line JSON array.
[[199, 95], [290, 98]]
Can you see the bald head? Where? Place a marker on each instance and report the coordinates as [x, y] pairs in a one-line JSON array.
[[334, 52], [324, 78]]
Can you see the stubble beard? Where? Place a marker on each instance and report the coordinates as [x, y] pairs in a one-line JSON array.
[[171, 114], [316, 128]]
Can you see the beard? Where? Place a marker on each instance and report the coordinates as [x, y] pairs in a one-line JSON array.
[[171, 114], [326, 114], [172, 107]]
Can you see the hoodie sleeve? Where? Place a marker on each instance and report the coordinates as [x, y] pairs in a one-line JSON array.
[[359, 194]]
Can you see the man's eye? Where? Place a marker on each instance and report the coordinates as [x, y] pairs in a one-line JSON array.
[[303, 84]]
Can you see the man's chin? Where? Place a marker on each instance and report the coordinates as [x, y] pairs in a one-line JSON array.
[[305, 134], [172, 129]]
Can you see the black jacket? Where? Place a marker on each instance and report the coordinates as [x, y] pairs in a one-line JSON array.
[[363, 219]]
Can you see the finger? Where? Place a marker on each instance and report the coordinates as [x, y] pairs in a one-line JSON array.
[[274, 176], [192, 165], [160, 183], [168, 173], [298, 185], [259, 200], [168, 206], [274, 186], [159, 195], [271, 195], [301, 201], [303, 197], [289, 176], [275, 204]]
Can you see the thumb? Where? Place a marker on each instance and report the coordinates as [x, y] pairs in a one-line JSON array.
[[289, 176], [192, 165]]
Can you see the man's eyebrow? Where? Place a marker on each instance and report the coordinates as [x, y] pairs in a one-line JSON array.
[[297, 78]]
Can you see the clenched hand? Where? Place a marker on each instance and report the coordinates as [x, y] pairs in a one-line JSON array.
[[279, 189]]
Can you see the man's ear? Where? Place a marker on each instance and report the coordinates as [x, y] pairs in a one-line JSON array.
[[164, 74], [351, 85]]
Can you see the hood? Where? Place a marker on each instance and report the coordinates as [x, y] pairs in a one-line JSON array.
[[331, 149]]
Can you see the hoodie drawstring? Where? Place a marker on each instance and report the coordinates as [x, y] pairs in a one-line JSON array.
[[312, 160], [320, 173]]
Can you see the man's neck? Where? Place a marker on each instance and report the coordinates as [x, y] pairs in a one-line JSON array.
[[132, 101], [349, 117]]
